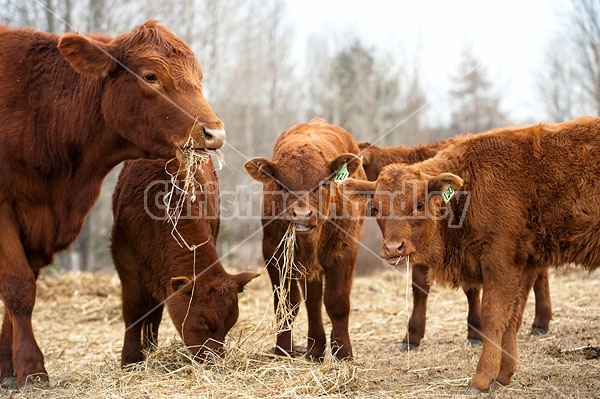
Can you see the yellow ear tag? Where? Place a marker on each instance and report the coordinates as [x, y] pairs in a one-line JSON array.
[[448, 193], [342, 174]]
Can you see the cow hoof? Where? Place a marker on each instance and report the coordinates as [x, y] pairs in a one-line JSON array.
[[473, 391], [538, 331], [8, 382], [474, 341], [495, 386], [315, 359], [277, 351], [406, 347]]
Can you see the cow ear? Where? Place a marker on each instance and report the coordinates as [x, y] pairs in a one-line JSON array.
[[260, 169], [344, 166], [357, 190], [86, 55], [445, 184], [241, 279], [364, 146], [181, 285]]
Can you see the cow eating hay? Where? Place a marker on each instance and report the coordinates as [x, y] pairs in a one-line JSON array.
[[73, 107], [299, 193]]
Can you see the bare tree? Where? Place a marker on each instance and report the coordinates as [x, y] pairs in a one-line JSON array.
[[476, 107], [584, 20]]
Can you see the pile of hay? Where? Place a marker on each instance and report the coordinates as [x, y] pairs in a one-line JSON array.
[[79, 327]]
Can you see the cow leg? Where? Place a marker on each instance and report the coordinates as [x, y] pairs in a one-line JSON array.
[[543, 304], [150, 327], [317, 342], [509, 340], [338, 284], [418, 317], [474, 316], [7, 372], [501, 285], [286, 303], [17, 290], [136, 307]]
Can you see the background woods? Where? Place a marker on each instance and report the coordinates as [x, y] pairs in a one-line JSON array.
[[261, 76]]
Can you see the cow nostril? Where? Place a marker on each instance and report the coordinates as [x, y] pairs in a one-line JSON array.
[[400, 246], [207, 136]]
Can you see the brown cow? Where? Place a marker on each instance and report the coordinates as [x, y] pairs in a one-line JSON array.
[[299, 188], [529, 199], [155, 269], [374, 159], [72, 108]]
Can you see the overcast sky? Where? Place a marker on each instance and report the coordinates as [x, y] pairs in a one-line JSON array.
[[509, 37]]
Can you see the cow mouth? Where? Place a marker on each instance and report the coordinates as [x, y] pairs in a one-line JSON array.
[[395, 260], [196, 150], [302, 228]]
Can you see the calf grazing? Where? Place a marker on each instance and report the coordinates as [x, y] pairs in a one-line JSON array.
[[374, 159], [517, 199], [299, 188], [73, 107], [155, 270]]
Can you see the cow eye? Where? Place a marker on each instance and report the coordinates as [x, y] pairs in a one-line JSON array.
[[374, 211], [150, 77], [420, 206], [202, 323]]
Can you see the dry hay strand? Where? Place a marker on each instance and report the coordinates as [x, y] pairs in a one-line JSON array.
[[82, 347], [184, 185]]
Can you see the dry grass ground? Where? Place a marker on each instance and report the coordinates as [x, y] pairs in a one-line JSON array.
[[78, 325]]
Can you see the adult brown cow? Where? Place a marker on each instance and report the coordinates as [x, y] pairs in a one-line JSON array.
[[374, 159], [72, 108], [530, 197], [299, 188], [155, 269]]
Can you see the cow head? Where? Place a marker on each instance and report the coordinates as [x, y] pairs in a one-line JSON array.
[[300, 186], [151, 92], [408, 204], [205, 310]]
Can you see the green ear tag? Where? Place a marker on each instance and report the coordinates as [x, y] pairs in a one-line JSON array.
[[448, 193], [342, 174]]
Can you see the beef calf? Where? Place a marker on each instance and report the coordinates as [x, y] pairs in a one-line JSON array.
[[376, 158], [155, 270], [299, 189], [492, 209]]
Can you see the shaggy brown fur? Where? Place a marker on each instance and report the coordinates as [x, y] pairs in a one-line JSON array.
[[376, 158], [71, 111], [529, 197], [299, 189], [155, 270]]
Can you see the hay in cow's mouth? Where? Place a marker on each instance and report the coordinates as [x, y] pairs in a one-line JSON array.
[[184, 186], [395, 260], [301, 228]]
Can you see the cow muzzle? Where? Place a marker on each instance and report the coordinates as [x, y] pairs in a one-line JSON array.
[[213, 138], [395, 252], [304, 219]]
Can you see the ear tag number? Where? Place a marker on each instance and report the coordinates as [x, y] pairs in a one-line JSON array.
[[342, 174], [448, 193]]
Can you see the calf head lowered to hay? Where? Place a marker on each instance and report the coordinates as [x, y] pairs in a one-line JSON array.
[[74, 107], [305, 222], [164, 248]]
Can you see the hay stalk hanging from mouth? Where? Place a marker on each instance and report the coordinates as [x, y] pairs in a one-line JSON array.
[[289, 272], [185, 186]]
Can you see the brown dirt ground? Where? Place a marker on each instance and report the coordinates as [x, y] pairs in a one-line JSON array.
[[79, 327]]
